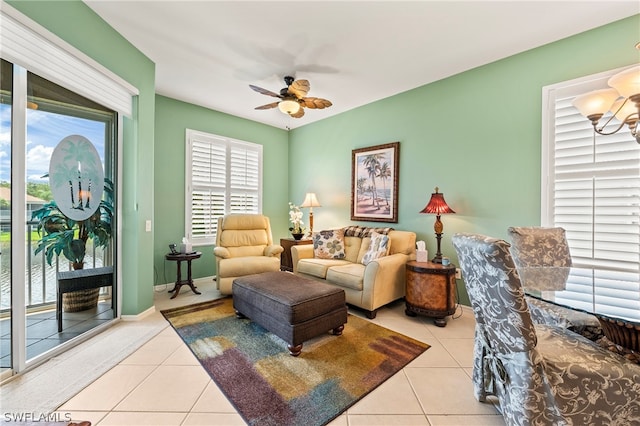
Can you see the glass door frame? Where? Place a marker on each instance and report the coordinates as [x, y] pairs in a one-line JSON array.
[[19, 361]]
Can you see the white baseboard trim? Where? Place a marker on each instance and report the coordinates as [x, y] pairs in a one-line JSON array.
[[139, 316]]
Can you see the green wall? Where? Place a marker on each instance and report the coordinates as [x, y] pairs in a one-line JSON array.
[[172, 119], [79, 26], [476, 135]]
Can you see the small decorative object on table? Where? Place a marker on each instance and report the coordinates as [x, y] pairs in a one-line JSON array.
[[295, 217]]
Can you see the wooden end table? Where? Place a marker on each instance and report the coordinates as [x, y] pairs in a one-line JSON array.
[[179, 258], [431, 290], [286, 262]]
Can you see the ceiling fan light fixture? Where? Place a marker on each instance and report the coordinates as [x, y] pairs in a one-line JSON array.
[[289, 106]]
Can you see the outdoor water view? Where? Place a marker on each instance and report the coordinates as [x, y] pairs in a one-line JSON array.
[[44, 131]]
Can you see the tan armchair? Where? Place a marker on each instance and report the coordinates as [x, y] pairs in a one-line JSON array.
[[244, 246]]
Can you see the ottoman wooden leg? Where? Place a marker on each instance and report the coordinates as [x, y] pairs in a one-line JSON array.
[[295, 350], [338, 330]]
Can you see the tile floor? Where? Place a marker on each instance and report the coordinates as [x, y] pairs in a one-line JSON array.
[[42, 329], [162, 383]]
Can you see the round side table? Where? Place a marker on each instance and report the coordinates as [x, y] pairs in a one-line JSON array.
[[179, 258]]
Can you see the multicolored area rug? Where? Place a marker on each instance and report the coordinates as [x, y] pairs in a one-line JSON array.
[[270, 387]]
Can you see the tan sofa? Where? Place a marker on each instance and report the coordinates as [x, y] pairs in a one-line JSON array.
[[244, 246], [368, 287]]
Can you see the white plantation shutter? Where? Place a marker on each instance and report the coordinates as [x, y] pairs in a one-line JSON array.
[[223, 176], [591, 188]]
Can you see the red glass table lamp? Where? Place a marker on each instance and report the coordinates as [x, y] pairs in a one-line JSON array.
[[437, 205]]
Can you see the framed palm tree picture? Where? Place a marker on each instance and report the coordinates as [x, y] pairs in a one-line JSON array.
[[374, 183]]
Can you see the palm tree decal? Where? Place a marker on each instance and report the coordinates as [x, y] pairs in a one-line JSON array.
[[75, 176]]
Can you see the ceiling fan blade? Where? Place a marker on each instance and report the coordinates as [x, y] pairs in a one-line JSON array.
[[268, 106], [265, 91], [298, 114], [299, 88], [314, 103]]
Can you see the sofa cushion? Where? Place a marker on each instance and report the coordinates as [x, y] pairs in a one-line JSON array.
[[378, 247], [318, 267], [329, 244], [352, 247], [402, 242], [364, 231], [349, 276]]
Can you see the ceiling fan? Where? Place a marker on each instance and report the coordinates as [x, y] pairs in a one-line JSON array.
[[293, 98]]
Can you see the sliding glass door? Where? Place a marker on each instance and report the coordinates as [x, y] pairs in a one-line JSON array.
[[57, 204]]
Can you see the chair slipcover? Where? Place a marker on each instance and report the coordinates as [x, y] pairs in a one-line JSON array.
[[535, 246], [541, 374], [244, 246]]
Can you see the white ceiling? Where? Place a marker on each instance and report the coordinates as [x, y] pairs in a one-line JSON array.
[[353, 52]]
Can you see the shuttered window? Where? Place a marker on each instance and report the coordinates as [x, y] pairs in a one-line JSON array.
[[591, 188], [223, 176]]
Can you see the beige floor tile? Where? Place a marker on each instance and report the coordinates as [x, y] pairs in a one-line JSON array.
[[181, 356], [469, 372], [341, 420], [435, 356], [395, 396], [142, 419], [168, 388], [409, 327], [210, 419], [461, 350], [212, 400], [111, 388], [156, 350], [387, 420], [466, 420], [446, 391]]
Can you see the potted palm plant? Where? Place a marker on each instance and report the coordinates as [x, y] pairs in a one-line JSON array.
[[64, 236]]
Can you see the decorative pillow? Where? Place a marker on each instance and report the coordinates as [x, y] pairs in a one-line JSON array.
[[329, 244], [378, 248]]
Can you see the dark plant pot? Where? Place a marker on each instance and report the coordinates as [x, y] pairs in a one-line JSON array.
[[297, 236]]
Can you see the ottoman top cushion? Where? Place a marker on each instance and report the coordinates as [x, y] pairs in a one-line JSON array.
[[287, 296]]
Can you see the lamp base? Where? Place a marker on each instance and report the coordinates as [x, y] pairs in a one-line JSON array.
[[437, 259]]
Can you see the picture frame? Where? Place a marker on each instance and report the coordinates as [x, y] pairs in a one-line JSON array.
[[374, 183]]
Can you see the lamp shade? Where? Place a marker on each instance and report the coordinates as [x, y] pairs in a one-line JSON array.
[[627, 82], [310, 200], [437, 204], [595, 103], [289, 106]]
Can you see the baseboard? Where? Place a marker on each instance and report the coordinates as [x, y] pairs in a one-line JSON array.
[[139, 316]]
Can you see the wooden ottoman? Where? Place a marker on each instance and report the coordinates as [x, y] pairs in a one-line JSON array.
[[291, 307]]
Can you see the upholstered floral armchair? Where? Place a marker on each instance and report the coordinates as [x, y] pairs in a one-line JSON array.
[[541, 374], [244, 246]]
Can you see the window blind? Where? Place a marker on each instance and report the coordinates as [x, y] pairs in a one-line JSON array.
[[596, 191], [592, 190], [223, 176], [33, 47]]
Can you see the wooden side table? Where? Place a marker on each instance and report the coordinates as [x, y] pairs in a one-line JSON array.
[[179, 258], [286, 263], [431, 290]]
